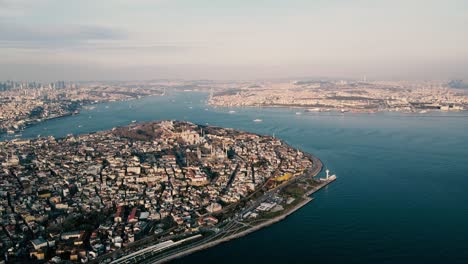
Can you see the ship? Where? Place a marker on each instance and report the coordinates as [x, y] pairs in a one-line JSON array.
[[257, 120]]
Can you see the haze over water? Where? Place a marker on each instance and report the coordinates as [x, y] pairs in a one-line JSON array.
[[401, 194]]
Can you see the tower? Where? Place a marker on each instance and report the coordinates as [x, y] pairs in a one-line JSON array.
[[199, 153]]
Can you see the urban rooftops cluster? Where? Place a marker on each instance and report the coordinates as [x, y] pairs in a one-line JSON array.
[[84, 196]]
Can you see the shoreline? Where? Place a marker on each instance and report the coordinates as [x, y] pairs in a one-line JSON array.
[[77, 111], [337, 110], [238, 235], [312, 172], [267, 223], [33, 123]]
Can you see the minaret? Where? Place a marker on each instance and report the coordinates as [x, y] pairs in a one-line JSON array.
[[198, 153]]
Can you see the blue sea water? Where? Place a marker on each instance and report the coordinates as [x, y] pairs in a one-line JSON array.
[[401, 194]]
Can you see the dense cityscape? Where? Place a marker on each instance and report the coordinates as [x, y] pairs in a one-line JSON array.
[[157, 191], [26, 103], [104, 195], [355, 96], [233, 132]]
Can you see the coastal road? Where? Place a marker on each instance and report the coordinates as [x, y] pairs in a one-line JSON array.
[[224, 231], [234, 224]]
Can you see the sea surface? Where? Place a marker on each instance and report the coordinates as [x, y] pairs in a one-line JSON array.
[[401, 194]]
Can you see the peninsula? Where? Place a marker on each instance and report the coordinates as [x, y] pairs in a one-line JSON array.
[[146, 192]]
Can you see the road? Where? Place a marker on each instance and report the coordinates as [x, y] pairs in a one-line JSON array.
[[224, 229]]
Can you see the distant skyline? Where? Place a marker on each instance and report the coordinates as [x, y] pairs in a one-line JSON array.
[[144, 39]]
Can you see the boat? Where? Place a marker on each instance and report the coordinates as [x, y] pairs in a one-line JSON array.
[[232, 112], [257, 120], [133, 121], [298, 113], [316, 109]]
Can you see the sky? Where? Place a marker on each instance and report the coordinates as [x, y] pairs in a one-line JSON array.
[[236, 39]]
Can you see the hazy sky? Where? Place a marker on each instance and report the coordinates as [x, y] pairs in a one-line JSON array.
[[236, 39]]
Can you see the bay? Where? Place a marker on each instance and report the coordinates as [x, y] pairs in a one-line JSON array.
[[401, 194]]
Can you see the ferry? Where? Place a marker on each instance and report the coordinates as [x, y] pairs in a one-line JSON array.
[[257, 120]]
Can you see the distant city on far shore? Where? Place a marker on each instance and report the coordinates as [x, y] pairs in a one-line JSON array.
[[26, 103]]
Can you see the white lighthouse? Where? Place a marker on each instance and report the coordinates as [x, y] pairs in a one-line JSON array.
[[329, 177]]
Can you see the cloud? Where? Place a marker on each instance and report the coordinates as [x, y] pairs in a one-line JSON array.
[[17, 8], [83, 38], [37, 37]]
